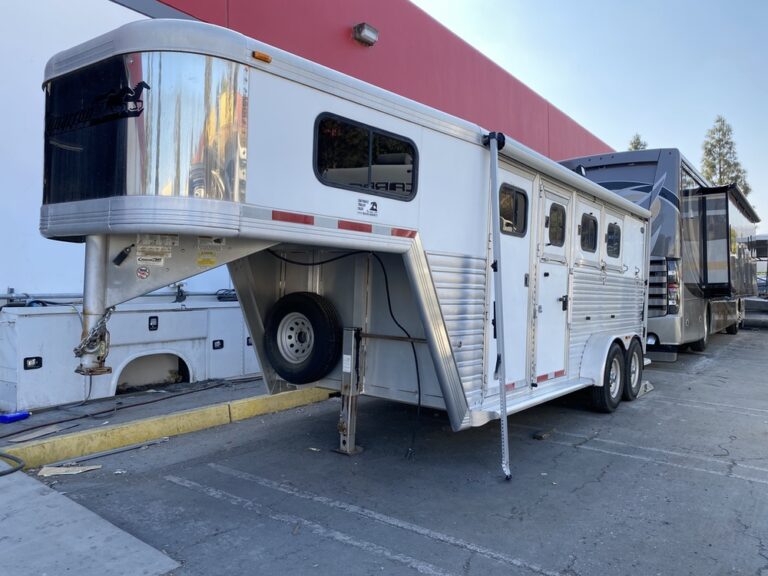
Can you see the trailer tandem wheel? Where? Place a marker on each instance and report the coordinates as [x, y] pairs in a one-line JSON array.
[[606, 398], [302, 337], [634, 371]]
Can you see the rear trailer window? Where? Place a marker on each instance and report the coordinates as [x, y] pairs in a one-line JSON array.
[[613, 240], [513, 211], [556, 222], [359, 157], [588, 230]]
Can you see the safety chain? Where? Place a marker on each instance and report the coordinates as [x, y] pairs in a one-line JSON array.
[[92, 340]]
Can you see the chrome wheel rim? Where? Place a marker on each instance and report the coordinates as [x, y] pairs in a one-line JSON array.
[[295, 337], [614, 378]]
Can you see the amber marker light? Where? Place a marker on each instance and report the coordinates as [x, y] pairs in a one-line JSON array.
[[261, 56]]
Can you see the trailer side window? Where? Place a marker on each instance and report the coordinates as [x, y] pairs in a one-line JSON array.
[[359, 157], [613, 240], [556, 224], [588, 231], [513, 211]]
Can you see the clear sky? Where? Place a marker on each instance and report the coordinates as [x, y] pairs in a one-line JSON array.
[[662, 68]]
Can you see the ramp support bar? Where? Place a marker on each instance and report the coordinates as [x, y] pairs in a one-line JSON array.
[[495, 141]]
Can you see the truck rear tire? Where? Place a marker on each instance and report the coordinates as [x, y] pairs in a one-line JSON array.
[[302, 337], [634, 371], [606, 398]]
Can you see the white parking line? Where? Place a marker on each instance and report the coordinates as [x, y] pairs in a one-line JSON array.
[[762, 412], [420, 566], [724, 461], [385, 519], [728, 465]]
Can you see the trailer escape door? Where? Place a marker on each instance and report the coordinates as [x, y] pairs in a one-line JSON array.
[[551, 306], [515, 212]]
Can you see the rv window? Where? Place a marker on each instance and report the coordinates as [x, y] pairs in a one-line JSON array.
[[613, 240], [557, 225], [513, 211], [588, 233], [356, 156]]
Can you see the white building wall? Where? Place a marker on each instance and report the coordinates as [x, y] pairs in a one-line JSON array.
[[30, 33]]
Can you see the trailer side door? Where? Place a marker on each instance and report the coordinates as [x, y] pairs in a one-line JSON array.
[[516, 211], [552, 277]]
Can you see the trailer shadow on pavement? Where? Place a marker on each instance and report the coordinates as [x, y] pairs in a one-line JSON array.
[[673, 483]]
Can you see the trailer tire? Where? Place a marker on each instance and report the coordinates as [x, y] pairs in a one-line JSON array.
[[606, 398], [634, 371], [302, 337]]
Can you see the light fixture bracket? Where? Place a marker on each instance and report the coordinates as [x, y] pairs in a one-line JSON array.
[[365, 33]]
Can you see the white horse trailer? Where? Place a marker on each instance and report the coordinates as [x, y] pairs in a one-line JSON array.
[[377, 246]]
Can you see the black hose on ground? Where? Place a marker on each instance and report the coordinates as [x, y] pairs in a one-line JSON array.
[[18, 463]]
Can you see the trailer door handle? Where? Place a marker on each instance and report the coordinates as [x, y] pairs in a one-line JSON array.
[[564, 300]]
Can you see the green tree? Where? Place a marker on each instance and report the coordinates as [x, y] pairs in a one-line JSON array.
[[637, 143], [720, 163]]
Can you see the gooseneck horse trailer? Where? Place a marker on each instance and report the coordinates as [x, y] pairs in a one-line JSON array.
[[377, 246], [702, 268]]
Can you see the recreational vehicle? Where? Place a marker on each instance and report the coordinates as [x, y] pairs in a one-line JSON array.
[[701, 266], [377, 246]]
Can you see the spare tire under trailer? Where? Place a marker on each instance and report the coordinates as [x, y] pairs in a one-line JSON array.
[[303, 337]]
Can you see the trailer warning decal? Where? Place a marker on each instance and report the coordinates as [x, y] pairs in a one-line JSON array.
[[367, 207]]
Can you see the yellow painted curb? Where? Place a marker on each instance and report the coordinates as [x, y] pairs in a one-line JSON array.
[[250, 407], [67, 446]]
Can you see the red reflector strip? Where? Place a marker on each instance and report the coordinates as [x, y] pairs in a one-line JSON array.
[[403, 233], [550, 376], [355, 226], [293, 218], [510, 386]]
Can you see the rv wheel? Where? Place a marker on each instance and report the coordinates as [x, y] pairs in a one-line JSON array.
[[634, 372], [606, 398], [302, 337], [701, 345]]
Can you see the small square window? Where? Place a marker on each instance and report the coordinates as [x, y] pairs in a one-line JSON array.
[[556, 225], [613, 240], [513, 211], [588, 233]]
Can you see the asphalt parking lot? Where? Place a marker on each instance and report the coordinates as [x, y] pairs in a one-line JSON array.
[[674, 483]]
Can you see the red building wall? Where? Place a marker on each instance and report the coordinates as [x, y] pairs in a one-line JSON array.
[[415, 57]]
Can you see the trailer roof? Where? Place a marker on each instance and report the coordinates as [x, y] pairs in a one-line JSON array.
[[522, 153], [201, 38]]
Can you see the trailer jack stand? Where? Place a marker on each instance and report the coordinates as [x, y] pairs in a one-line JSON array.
[[348, 426], [350, 390]]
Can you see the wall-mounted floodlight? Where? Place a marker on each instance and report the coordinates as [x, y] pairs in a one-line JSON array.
[[365, 34]]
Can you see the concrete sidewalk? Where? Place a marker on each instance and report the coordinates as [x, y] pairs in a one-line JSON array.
[[45, 533], [71, 432]]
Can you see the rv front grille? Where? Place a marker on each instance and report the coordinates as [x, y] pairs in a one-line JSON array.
[[657, 288]]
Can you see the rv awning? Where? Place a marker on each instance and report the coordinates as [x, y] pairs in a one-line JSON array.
[[738, 197]]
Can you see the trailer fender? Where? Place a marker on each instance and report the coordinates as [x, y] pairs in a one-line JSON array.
[[595, 353]]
